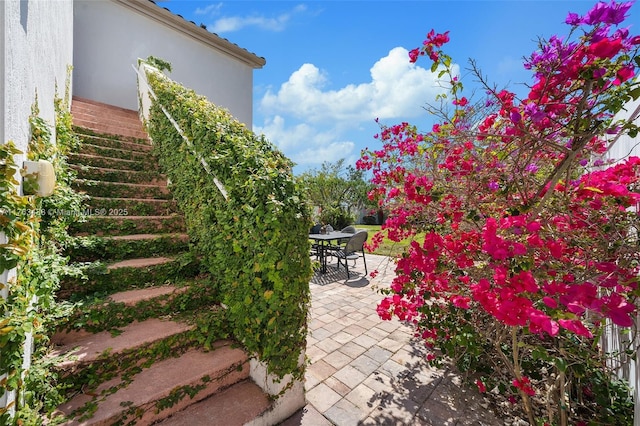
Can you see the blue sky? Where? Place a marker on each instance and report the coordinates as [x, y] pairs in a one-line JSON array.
[[333, 67]]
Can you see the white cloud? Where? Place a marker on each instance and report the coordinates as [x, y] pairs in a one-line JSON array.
[[327, 153], [397, 88], [235, 23], [312, 124], [285, 137], [305, 144], [211, 9]]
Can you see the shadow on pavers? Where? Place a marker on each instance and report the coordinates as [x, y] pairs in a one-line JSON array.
[[356, 278]]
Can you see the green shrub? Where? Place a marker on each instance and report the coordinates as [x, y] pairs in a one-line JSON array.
[[370, 220], [337, 217]]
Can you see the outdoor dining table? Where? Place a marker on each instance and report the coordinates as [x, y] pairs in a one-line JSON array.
[[324, 242]]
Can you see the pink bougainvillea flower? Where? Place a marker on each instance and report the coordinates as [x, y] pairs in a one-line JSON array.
[[437, 40], [618, 309], [573, 19], [523, 281], [550, 302], [461, 301], [414, 54], [383, 308], [606, 48], [481, 387], [461, 102], [515, 115], [575, 326], [624, 74], [524, 384], [607, 13], [534, 226], [541, 322]]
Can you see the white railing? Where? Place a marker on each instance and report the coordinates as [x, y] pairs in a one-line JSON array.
[[616, 340], [145, 94]]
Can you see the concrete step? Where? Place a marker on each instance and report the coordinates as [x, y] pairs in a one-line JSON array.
[[120, 247], [234, 406], [145, 237], [111, 136], [134, 206], [122, 189], [118, 175], [133, 297], [111, 152], [107, 119], [128, 119], [112, 277], [140, 263], [81, 348], [84, 105], [113, 142], [102, 224], [122, 125], [164, 388], [113, 128], [139, 164], [96, 313]]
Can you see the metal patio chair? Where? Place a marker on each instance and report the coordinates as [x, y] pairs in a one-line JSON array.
[[352, 250]]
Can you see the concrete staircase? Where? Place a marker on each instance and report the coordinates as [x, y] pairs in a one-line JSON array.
[[146, 343]]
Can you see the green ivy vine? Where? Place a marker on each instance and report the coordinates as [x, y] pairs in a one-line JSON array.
[[250, 229], [34, 243]]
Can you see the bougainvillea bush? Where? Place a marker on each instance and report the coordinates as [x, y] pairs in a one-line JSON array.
[[530, 248]]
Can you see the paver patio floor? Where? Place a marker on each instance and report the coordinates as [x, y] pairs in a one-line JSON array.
[[366, 371]]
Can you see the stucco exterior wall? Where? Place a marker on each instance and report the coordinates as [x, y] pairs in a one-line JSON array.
[[37, 47], [111, 36]]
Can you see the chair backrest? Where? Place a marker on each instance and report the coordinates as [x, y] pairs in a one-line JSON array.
[[349, 229], [356, 242]]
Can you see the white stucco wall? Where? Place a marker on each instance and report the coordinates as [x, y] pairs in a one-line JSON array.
[[37, 48], [110, 37]]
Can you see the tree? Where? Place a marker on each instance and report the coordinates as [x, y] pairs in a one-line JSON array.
[[338, 191], [530, 239]]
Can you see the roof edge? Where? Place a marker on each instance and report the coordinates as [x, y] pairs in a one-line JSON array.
[[151, 10]]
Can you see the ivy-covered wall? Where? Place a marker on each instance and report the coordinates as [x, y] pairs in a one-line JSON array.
[[34, 246], [251, 231]]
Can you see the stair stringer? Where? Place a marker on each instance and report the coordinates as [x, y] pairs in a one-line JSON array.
[[284, 405]]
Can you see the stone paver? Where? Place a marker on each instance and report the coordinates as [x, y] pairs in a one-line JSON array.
[[365, 371]]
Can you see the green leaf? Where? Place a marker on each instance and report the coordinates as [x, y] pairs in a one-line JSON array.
[[561, 364]]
